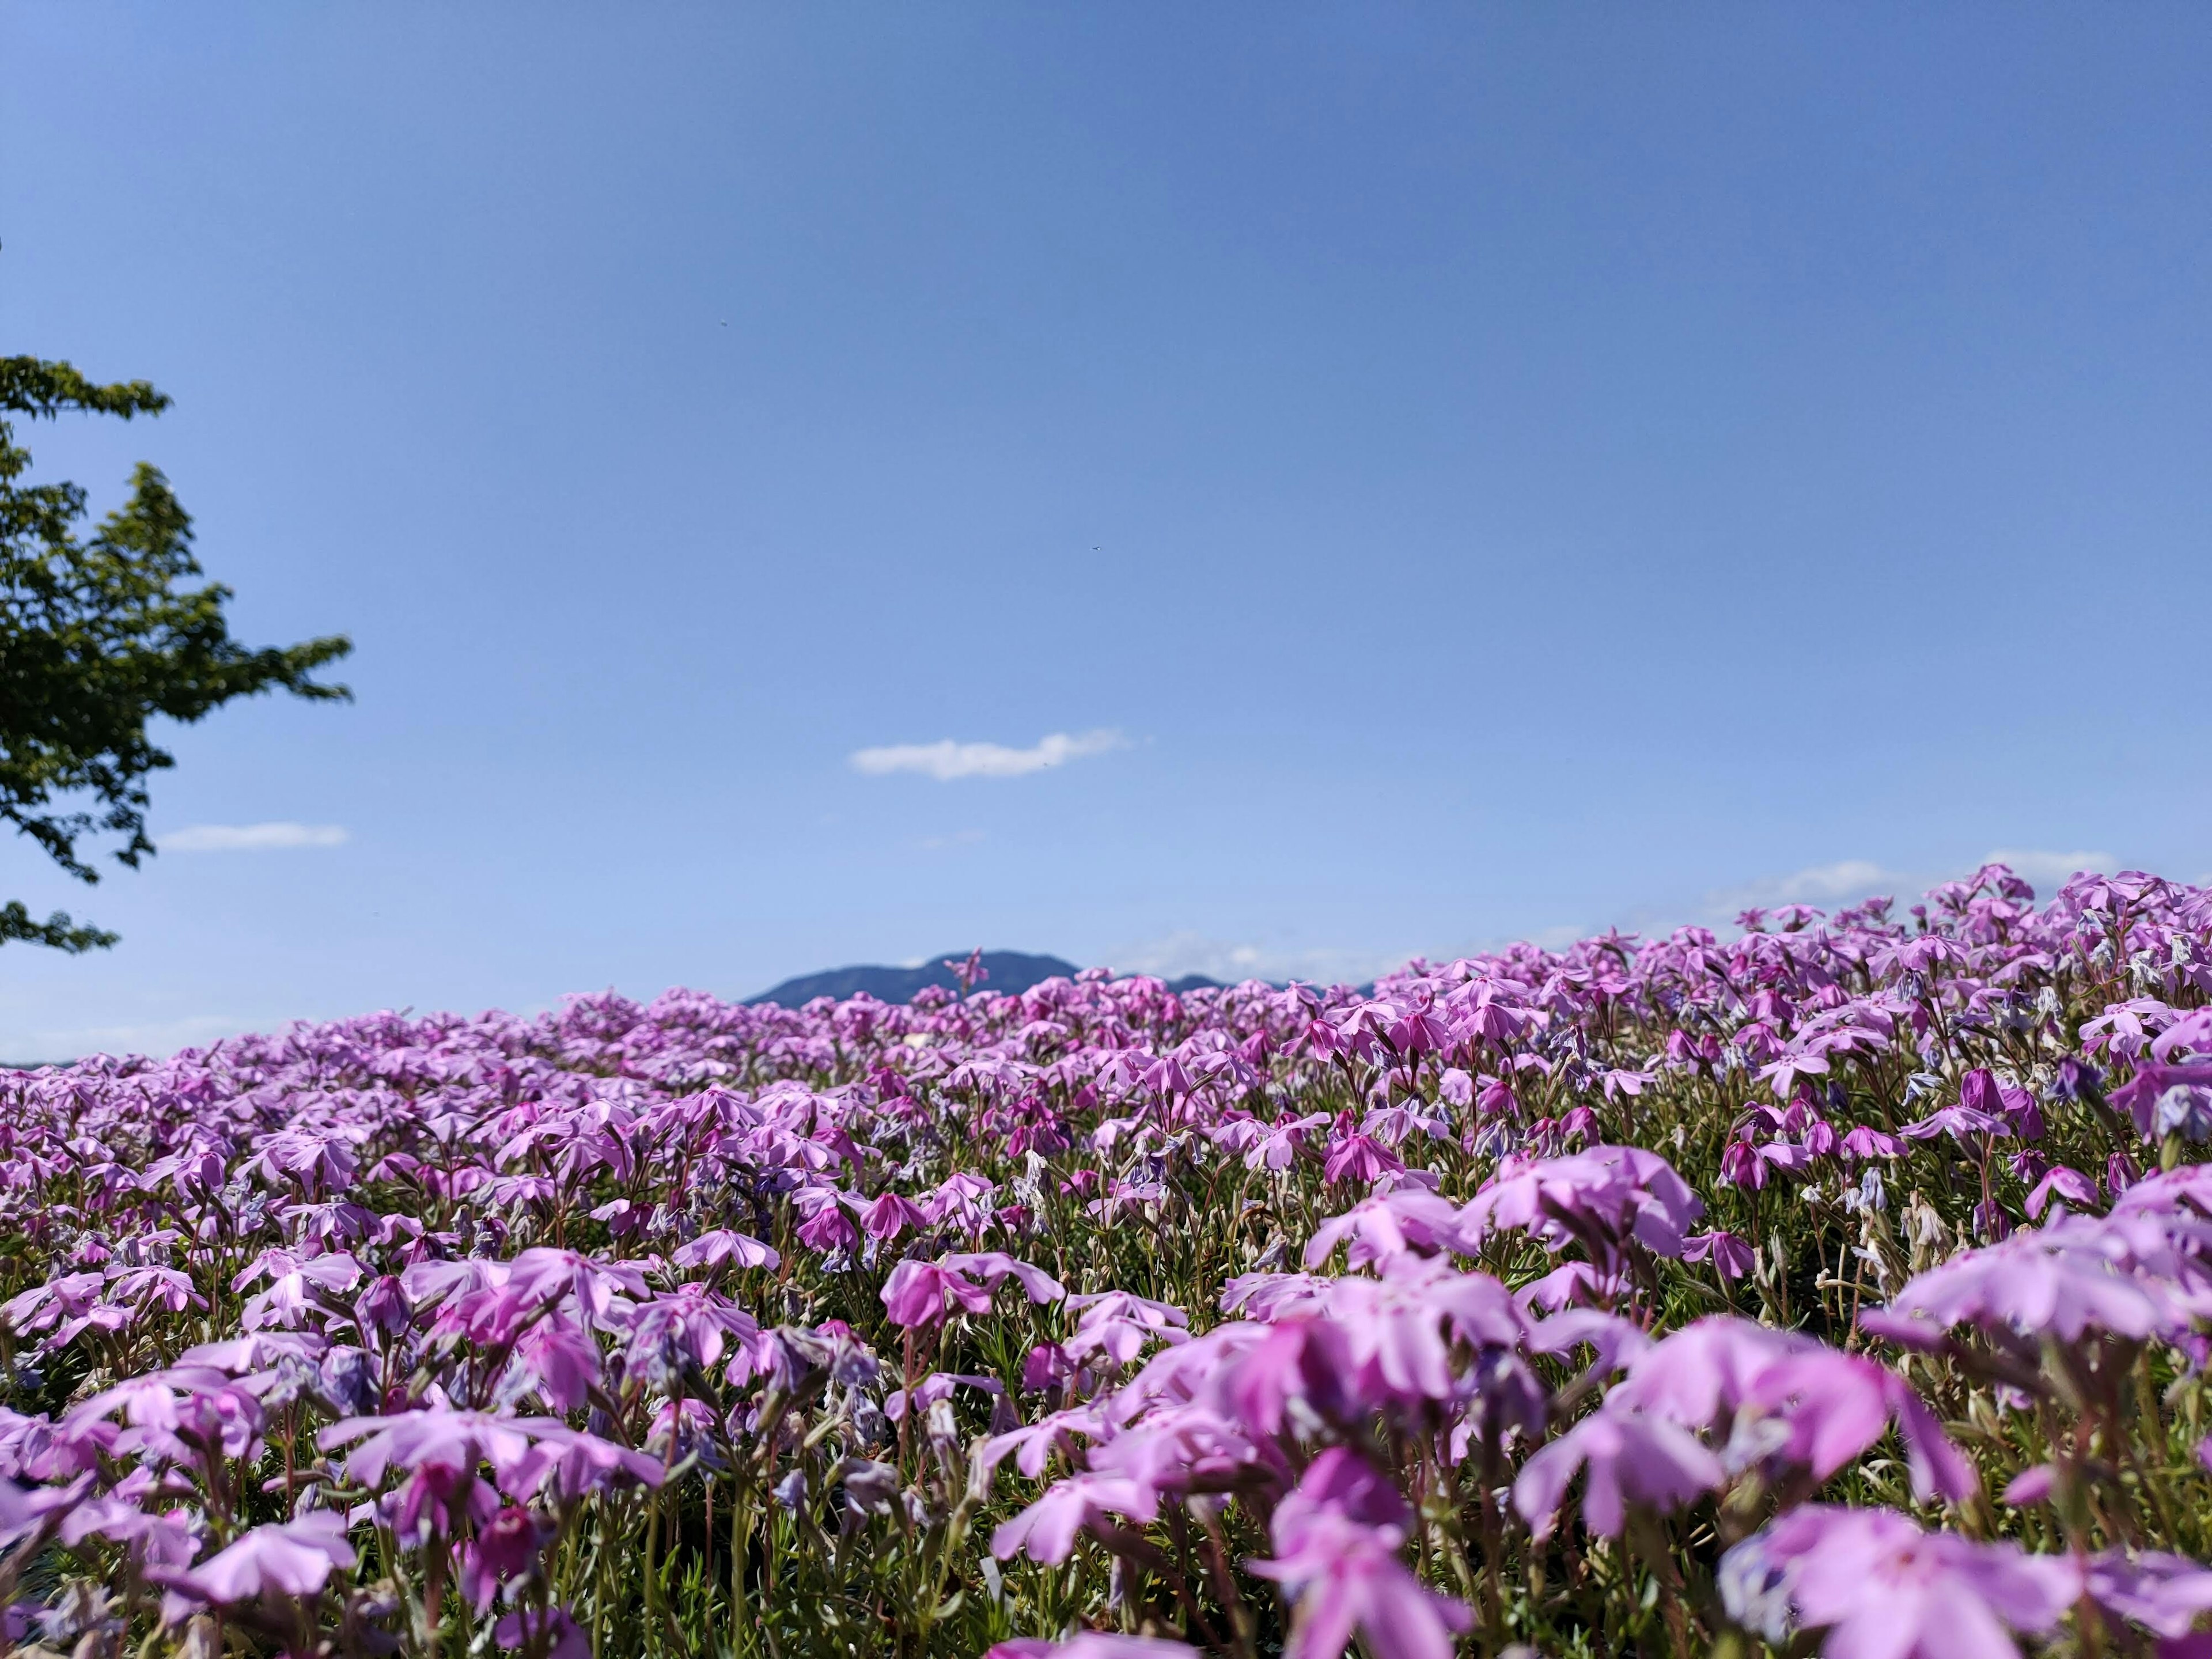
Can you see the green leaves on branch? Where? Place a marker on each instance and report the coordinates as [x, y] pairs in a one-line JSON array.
[[97, 637]]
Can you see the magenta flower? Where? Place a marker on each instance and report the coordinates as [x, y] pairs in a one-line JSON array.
[[2071, 1185], [1337, 1540], [920, 1293], [1089, 1645], [1631, 1458], [889, 1216], [2162, 1592], [1885, 1589], [1781, 1398], [1047, 1529], [294, 1559], [711, 1250], [1732, 1258], [552, 1633], [2060, 1279]]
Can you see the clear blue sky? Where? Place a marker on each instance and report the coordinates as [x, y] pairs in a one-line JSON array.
[[1498, 470]]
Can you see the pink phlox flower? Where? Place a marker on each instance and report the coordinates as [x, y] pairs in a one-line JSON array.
[[1880, 1586], [1731, 1256], [505, 1549], [297, 1286], [1631, 1458], [1571, 1284], [1268, 1296], [2162, 1592], [693, 1324], [1960, 1122], [1090, 1645], [962, 1201], [890, 1215], [35, 1449], [523, 1454], [1864, 1142], [1394, 1124], [293, 1559], [2059, 1279], [993, 1267], [152, 1286], [1337, 1540], [28, 1512], [1033, 1443], [823, 1225], [1399, 1330], [2192, 1032], [713, 1248], [550, 1632], [2062, 1183], [1601, 1197], [1778, 1396], [1613, 1341], [1297, 1370], [1277, 1145], [602, 1289], [920, 1293], [318, 1163], [557, 1360], [692, 1424], [1188, 1447], [39, 1309], [1045, 1530], [1389, 1224], [568, 1464], [1356, 1157], [1121, 1325]]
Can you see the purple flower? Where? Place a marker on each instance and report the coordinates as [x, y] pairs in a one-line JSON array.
[[2060, 1181], [1885, 1589], [1337, 1537], [294, 1559], [552, 1631], [1046, 1530], [1631, 1458], [1731, 1257]]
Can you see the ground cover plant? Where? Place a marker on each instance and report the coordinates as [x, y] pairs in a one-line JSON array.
[[1841, 1287]]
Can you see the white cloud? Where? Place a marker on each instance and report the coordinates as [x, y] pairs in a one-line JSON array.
[[1181, 953], [946, 760], [2047, 870], [1818, 884], [252, 837]]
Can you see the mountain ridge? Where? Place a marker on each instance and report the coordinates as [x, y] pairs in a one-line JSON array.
[[1012, 971]]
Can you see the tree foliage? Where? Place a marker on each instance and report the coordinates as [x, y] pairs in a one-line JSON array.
[[100, 634]]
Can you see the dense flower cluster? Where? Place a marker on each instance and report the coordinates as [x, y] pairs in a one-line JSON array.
[[1842, 1287]]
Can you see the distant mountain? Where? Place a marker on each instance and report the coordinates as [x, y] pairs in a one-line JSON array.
[[1011, 971]]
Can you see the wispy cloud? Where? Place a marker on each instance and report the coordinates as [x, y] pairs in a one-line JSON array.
[[2047, 870], [946, 760], [252, 837], [1230, 961], [1818, 884]]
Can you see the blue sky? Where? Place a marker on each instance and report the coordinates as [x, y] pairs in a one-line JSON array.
[[1440, 474]]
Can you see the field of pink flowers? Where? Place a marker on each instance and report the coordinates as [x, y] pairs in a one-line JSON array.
[[1844, 1287]]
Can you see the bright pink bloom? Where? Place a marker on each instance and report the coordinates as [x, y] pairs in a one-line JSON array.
[[1337, 1541], [295, 1558], [1885, 1589], [1632, 1458], [1047, 1529]]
